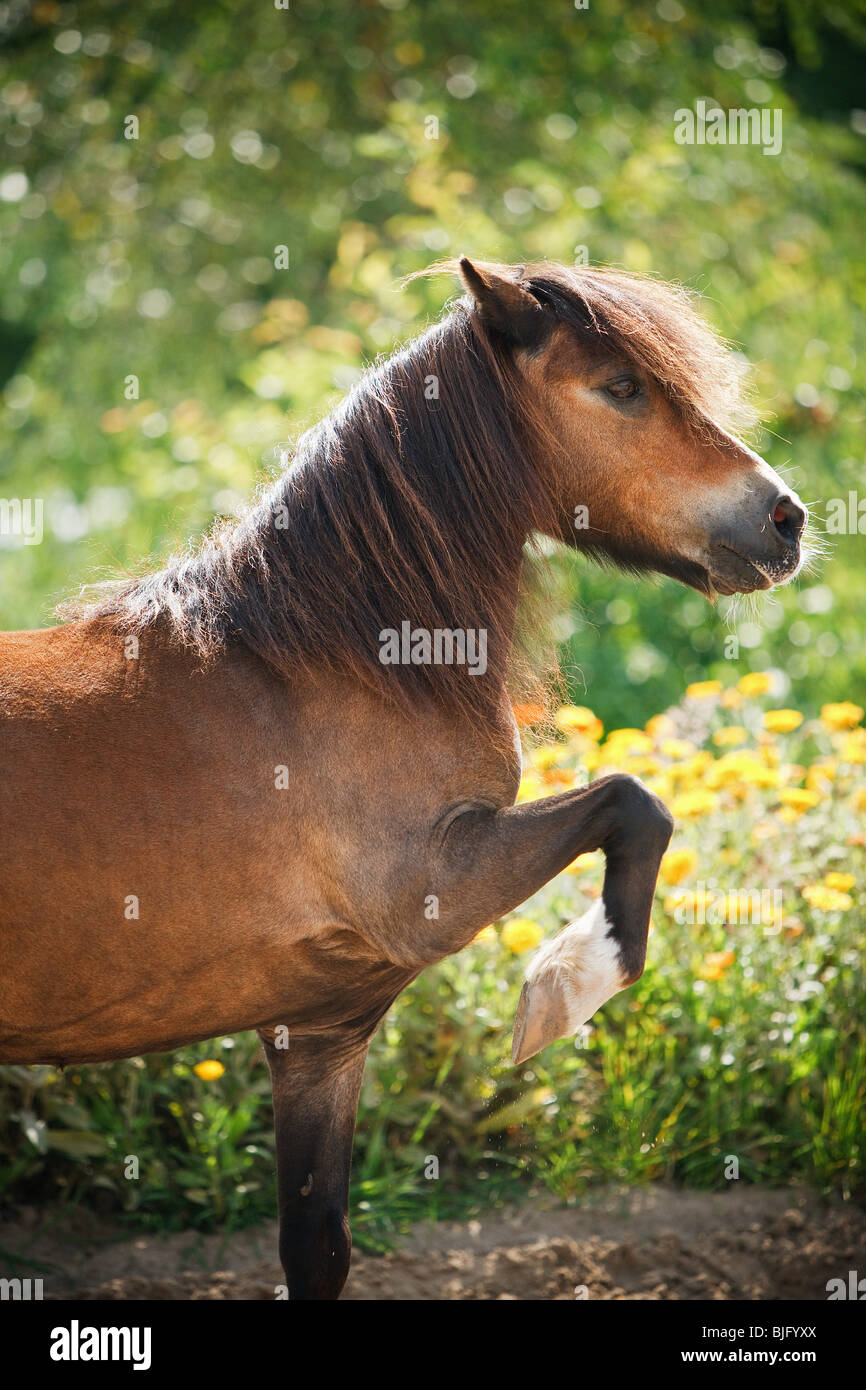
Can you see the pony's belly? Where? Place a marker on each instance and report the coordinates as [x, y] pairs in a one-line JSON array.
[[88, 989], [106, 1002]]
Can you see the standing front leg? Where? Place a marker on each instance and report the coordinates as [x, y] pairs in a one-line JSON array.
[[491, 861], [316, 1082]]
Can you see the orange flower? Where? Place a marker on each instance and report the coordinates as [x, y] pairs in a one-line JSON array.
[[527, 715], [659, 726], [715, 965]]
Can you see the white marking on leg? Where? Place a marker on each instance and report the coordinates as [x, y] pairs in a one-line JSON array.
[[584, 962]]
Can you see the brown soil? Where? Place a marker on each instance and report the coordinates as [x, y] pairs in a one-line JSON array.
[[653, 1243]]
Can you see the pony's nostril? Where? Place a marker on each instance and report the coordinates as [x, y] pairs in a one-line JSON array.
[[789, 518]]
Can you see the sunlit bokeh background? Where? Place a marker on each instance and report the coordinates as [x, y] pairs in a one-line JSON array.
[[366, 140]]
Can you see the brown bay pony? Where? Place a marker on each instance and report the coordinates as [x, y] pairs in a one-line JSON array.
[[228, 746]]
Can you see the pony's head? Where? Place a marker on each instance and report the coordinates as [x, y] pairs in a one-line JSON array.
[[635, 399]]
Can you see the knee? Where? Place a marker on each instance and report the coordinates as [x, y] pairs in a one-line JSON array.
[[642, 813]]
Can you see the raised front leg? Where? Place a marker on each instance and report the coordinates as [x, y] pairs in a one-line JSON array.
[[490, 862], [315, 1083]]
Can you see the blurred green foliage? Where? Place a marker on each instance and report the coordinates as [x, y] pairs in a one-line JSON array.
[[258, 128], [315, 129]]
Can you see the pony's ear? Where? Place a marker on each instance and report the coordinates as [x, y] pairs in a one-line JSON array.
[[505, 306]]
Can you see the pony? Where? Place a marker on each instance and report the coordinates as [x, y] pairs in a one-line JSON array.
[[277, 748]]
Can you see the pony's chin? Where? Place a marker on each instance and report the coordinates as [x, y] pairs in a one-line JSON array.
[[730, 572], [723, 586]]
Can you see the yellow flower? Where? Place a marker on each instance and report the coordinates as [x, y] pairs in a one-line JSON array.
[[678, 864], [485, 934], [734, 768], [621, 741], [782, 721], [530, 788], [714, 1023], [738, 907], [798, 799], [684, 898], [546, 756], [583, 861], [756, 683], [826, 899], [731, 698], [677, 748], [768, 777], [693, 903], [841, 716], [520, 934], [841, 882], [762, 777], [643, 767], [727, 738], [854, 747], [693, 767], [577, 719], [860, 800], [701, 690], [209, 1071], [661, 784], [739, 770], [696, 803]]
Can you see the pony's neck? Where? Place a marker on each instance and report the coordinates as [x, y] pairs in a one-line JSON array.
[[410, 504]]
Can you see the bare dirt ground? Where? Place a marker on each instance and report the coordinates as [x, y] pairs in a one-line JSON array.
[[655, 1243]]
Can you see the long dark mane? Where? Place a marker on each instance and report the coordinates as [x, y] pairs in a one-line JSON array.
[[412, 501]]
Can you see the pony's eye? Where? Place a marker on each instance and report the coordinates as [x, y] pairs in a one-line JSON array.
[[623, 389]]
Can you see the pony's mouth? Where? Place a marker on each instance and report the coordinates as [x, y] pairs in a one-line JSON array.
[[734, 573]]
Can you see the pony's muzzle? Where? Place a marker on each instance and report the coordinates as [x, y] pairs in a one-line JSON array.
[[761, 547]]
